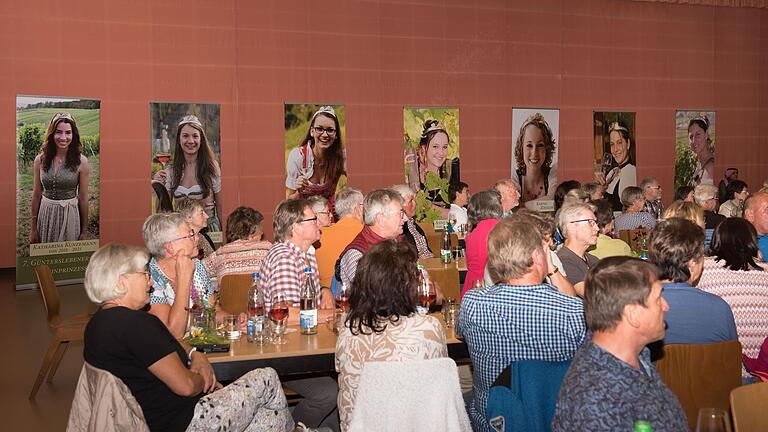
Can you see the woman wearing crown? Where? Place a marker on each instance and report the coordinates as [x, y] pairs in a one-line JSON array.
[[432, 157], [620, 172], [60, 192], [194, 172], [704, 148], [317, 164]]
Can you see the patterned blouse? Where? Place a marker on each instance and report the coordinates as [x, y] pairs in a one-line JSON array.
[[238, 257], [163, 292], [417, 337]]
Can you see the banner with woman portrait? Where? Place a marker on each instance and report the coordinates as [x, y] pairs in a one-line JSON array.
[[431, 147], [315, 155], [534, 156], [57, 186], [694, 148], [615, 166], [186, 160]]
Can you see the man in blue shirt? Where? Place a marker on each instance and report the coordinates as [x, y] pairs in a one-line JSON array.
[[612, 383], [676, 246], [756, 212], [519, 318]]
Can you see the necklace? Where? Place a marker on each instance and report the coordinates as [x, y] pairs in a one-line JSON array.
[[536, 194]]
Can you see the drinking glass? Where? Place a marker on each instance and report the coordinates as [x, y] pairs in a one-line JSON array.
[[342, 297], [450, 311], [232, 327], [278, 314], [427, 295], [713, 420]]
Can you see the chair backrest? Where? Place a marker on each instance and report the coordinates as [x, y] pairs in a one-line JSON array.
[[748, 407], [701, 375], [524, 395], [234, 292], [396, 396], [50, 293]]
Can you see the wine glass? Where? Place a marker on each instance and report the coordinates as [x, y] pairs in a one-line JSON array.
[[713, 420], [278, 314], [427, 295], [342, 297]]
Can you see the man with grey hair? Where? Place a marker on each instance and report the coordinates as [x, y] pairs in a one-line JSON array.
[[652, 194], [510, 195], [333, 239], [296, 229], [578, 224], [178, 280], [705, 195], [383, 217], [548, 325]]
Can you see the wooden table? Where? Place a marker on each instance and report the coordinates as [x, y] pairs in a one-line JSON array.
[[437, 264], [302, 354]]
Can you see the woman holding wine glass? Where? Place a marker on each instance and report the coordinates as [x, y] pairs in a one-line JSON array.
[[382, 323], [194, 172]]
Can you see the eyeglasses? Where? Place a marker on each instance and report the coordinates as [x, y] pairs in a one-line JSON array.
[[591, 222], [147, 275], [387, 212], [192, 234], [319, 130], [322, 213], [654, 187], [312, 219]]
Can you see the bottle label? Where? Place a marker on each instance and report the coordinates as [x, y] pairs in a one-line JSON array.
[[445, 254], [308, 318], [249, 327]]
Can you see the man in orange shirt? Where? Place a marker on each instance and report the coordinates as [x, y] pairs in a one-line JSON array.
[[333, 239]]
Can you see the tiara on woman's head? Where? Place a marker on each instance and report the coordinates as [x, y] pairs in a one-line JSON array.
[[191, 120], [702, 118], [615, 126], [435, 126], [327, 109], [62, 115]]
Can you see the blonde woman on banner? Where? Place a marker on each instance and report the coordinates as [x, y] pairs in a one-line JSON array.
[[60, 191], [317, 164], [534, 152], [194, 172]]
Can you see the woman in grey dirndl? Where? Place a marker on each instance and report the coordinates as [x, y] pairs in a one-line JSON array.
[[60, 194]]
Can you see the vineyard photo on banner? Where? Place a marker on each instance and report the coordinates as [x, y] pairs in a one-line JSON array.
[[57, 186], [694, 148], [615, 165]]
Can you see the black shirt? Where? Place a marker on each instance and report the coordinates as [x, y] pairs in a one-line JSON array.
[[712, 219], [126, 342]]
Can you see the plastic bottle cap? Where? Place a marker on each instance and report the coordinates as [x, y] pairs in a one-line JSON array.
[[255, 275], [308, 270]]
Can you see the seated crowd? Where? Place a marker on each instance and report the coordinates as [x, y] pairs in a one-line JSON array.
[[572, 289]]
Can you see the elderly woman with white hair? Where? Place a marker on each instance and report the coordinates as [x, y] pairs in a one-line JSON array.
[[633, 202], [412, 232], [173, 384], [578, 224], [194, 213], [179, 280]]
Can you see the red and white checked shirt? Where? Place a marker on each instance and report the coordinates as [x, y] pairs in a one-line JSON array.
[[283, 270]]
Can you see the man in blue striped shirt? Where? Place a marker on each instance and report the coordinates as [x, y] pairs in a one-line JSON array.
[[519, 317]]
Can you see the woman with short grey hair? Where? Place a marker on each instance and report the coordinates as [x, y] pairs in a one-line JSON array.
[[173, 384], [179, 280], [194, 213], [319, 205], [412, 232], [633, 202], [484, 211]]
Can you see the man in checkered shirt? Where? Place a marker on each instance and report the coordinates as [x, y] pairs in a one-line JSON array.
[[296, 229], [519, 318]]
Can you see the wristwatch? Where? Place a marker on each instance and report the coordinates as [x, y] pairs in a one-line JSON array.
[[552, 273]]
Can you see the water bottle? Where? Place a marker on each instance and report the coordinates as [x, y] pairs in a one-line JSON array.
[[255, 322], [445, 247], [308, 302]]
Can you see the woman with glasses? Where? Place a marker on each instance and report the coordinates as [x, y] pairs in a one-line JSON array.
[[180, 280], [319, 205], [317, 165], [60, 191], [173, 384], [578, 225], [194, 172]]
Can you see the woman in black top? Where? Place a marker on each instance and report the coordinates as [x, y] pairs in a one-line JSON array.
[[174, 385]]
